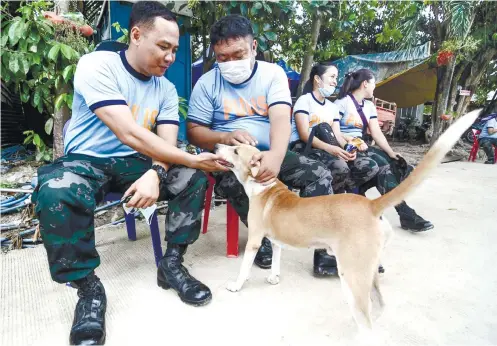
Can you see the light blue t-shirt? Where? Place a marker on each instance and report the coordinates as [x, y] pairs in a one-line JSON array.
[[316, 112], [105, 78], [350, 120], [225, 107], [492, 123]]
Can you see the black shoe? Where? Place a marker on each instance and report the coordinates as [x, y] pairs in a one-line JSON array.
[[324, 264], [411, 221], [489, 162], [88, 327], [172, 274], [264, 257]]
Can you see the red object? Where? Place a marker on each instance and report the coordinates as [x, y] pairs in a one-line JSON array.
[[443, 57], [445, 116], [232, 229], [85, 30], [476, 146]]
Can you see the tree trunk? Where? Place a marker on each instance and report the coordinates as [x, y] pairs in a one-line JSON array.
[[442, 97], [478, 69], [309, 55], [63, 114]]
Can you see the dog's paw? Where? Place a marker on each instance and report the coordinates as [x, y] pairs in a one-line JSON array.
[[233, 286], [273, 279]]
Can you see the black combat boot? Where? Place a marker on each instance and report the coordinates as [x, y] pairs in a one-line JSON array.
[[411, 221], [324, 264], [264, 257], [172, 274], [88, 327]]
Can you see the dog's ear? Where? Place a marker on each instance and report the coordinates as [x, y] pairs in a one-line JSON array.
[[254, 170]]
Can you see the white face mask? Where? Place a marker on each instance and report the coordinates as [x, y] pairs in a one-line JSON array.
[[236, 71], [327, 91]]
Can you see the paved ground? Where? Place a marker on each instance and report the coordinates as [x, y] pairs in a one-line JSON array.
[[440, 287]]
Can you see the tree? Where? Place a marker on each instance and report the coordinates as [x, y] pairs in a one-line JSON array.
[[448, 25], [38, 62]]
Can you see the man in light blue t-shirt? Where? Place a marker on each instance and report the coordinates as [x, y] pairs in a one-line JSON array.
[[488, 138], [247, 101], [119, 98]]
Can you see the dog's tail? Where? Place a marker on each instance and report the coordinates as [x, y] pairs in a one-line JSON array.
[[431, 159]]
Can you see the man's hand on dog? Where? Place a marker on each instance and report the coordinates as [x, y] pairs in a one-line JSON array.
[[238, 137], [270, 165], [145, 191]]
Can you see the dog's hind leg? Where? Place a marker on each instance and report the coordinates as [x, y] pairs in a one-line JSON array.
[[253, 244], [274, 278]]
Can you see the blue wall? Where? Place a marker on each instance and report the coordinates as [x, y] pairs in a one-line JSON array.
[[180, 73]]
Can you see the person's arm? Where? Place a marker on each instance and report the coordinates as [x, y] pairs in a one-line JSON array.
[[281, 128], [203, 137], [380, 138], [119, 119], [492, 126], [302, 123]]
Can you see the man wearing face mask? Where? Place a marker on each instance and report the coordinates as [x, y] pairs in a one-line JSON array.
[[247, 101]]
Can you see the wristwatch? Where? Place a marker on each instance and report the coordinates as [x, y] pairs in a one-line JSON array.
[[161, 172]]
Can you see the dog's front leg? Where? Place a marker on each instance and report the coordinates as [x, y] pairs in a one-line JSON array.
[[247, 262], [274, 278]]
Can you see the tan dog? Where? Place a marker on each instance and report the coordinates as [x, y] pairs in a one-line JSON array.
[[349, 225]]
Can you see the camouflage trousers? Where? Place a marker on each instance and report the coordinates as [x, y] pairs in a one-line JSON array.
[[486, 144], [346, 175], [70, 188], [386, 179], [311, 177]]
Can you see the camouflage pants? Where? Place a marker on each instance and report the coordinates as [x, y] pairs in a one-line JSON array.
[[70, 188], [386, 179], [299, 172], [346, 175], [486, 145]]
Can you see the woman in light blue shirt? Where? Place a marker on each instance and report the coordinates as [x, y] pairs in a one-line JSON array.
[[356, 116]]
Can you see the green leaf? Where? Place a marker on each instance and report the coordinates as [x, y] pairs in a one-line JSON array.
[[68, 72], [25, 64], [36, 58], [36, 97], [254, 11], [255, 27], [54, 52], [33, 48], [68, 100], [5, 39], [243, 9], [267, 8], [40, 108], [25, 97], [49, 126], [15, 31], [59, 101], [14, 64], [271, 36], [267, 27], [262, 43], [34, 36], [67, 51], [258, 5], [39, 155], [37, 140], [58, 82]]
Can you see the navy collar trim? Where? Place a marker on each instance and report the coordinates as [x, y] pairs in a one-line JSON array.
[[130, 69], [315, 99]]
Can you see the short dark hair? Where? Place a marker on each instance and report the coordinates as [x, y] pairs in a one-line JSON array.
[[143, 13], [319, 69], [230, 27], [353, 81]]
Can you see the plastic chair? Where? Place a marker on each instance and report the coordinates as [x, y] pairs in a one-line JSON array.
[[476, 146]]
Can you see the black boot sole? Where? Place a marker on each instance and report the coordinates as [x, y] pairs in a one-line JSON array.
[[164, 285], [263, 266], [417, 230], [325, 272]]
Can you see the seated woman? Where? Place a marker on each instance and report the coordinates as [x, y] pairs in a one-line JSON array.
[[349, 123], [311, 109]]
